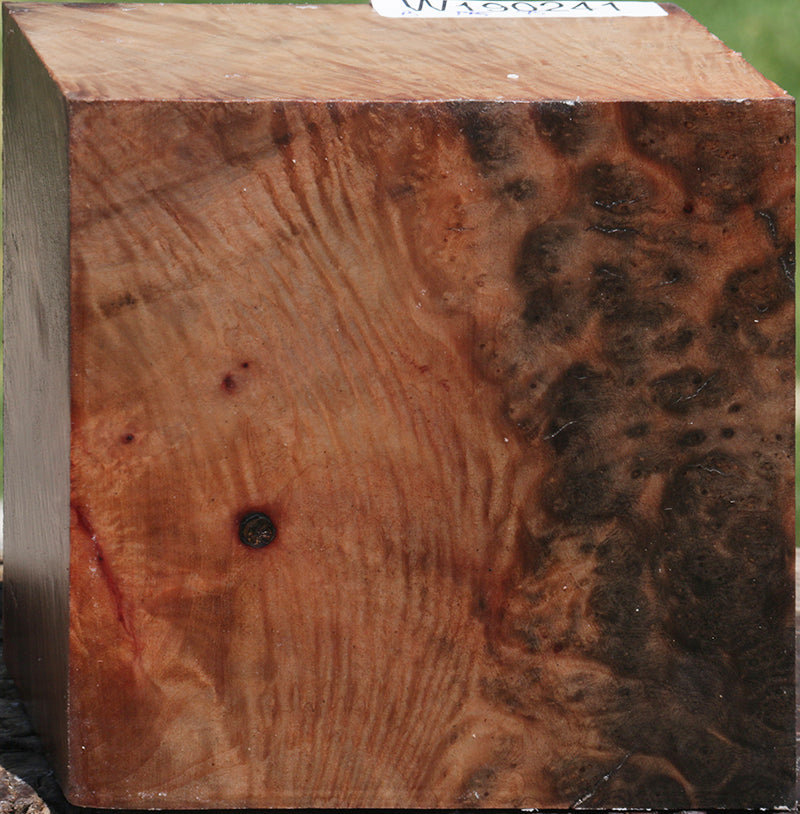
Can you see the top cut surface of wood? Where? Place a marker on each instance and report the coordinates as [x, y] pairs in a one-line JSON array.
[[349, 52]]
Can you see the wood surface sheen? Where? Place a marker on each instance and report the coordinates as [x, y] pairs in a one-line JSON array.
[[513, 380]]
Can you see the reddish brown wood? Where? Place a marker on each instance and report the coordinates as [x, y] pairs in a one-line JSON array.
[[512, 379]]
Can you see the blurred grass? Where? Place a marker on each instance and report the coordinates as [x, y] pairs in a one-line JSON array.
[[766, 33]]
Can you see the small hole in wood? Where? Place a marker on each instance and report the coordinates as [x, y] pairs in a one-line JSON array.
[[257, 530]]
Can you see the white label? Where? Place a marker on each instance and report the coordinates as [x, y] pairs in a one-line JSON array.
[[540, 9]]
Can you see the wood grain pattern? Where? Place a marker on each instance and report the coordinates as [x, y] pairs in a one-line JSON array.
[[513, 380], [516, 392], [347, 52]]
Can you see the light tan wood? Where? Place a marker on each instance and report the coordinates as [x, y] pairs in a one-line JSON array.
[[513, 381], [343, 52]]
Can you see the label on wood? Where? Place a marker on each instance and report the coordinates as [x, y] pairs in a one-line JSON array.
[[516, 8]]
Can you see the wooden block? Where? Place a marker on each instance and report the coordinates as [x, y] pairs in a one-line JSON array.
[[492, 320]]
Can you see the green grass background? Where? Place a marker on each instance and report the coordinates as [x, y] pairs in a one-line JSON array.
[[765, 32]]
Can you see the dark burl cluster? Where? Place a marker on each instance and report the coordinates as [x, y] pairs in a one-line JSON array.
[[651, 367]]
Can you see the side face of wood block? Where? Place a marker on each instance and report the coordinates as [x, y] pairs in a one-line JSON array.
[[36, 394], [514, 381]]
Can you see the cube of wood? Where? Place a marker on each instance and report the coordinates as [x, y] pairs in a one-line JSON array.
[[399, 412]]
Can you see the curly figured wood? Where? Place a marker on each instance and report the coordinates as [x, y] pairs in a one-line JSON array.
[[513, 381]]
